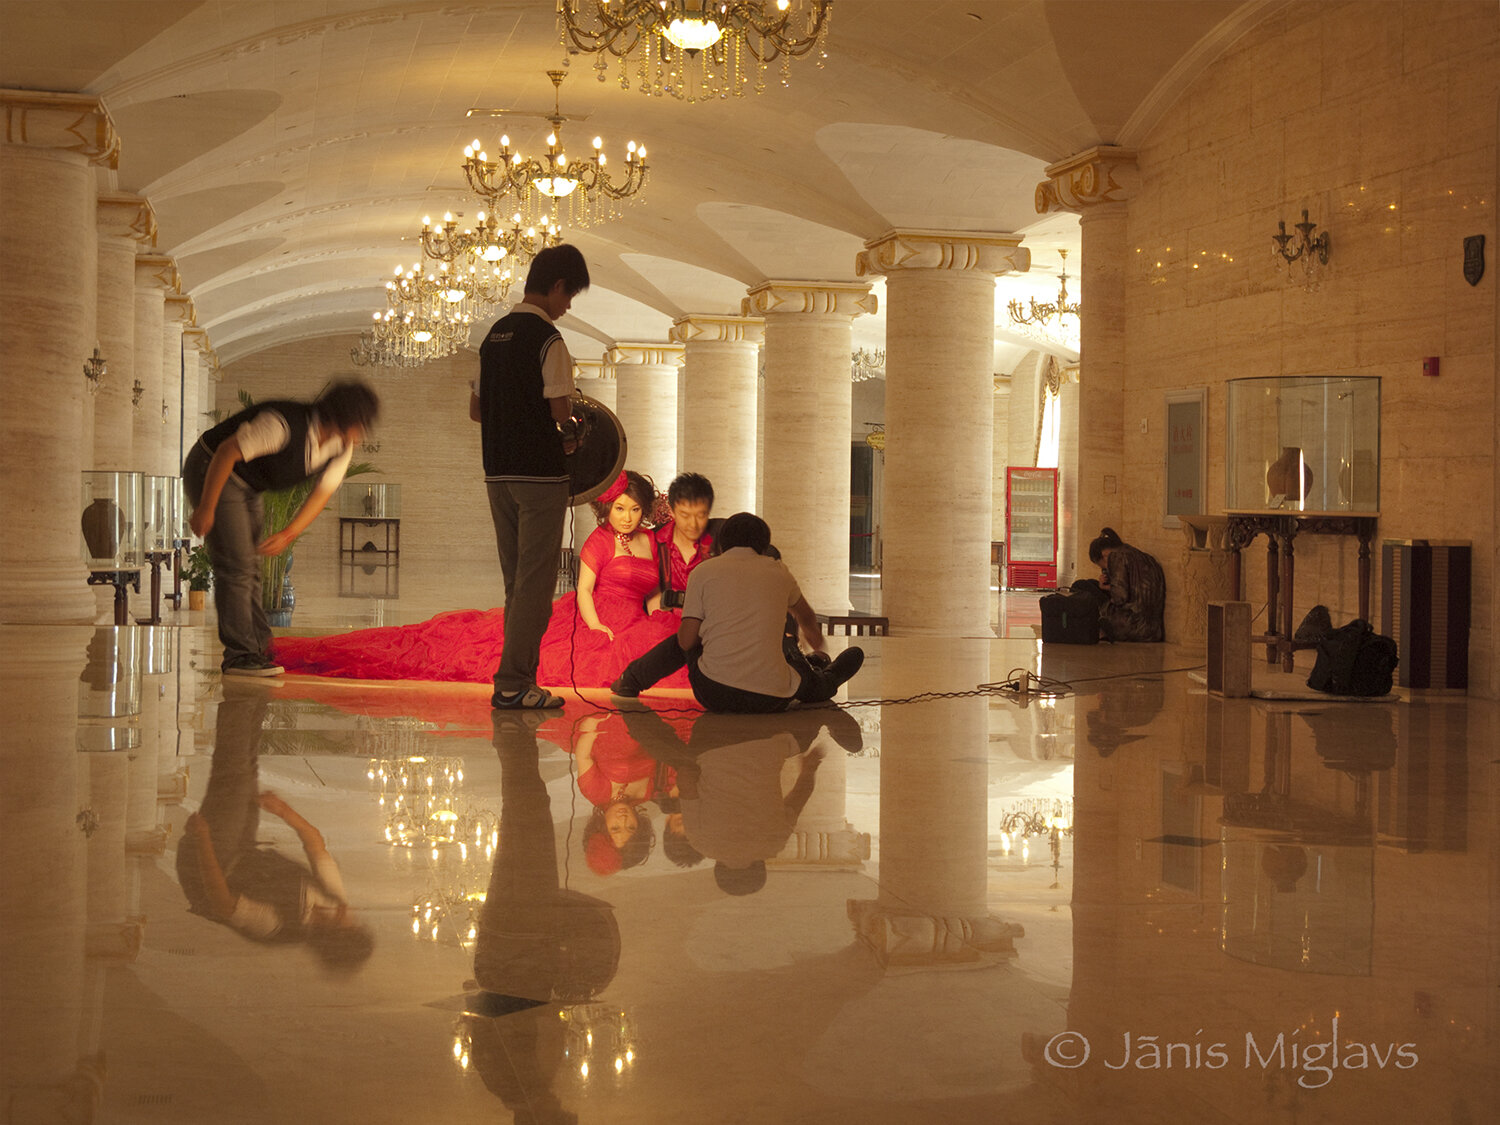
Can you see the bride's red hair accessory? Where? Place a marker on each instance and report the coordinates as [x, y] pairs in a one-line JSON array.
[[614, 491]]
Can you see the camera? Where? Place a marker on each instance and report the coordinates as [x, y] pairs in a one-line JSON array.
[[672, 599]]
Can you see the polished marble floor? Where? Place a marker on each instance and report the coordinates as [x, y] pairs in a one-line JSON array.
[[939, 902]]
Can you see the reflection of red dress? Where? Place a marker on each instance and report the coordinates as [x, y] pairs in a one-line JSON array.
[[465, 645]]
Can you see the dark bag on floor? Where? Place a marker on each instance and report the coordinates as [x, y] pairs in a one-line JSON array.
[[1354, 660], [1070, 619]]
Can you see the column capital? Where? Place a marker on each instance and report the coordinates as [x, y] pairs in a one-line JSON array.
[[823, 298], [122, 215], [908, 938], [706, 328], [643, 353], [198, 338], [181, 310], [956, 250], [592, 369], [157, 270], [70, 122], [1099, 175]]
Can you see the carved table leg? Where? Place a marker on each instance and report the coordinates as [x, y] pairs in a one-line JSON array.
[[1287, 625], [1273, 590]]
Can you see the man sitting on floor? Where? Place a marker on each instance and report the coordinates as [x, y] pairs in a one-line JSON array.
[[733, 623]]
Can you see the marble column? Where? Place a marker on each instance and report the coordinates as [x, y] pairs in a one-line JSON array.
[[595, 379], [721, 355], [194, 343], [808, 429], [939, 430], [155, 277], [1096, 184], [646, 403], [178, 315], [47, 300], [126, 223]]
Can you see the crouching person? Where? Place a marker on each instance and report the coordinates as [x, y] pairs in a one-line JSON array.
[[733, 621]]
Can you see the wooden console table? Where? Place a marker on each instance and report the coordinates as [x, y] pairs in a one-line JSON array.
[[1280, 529]]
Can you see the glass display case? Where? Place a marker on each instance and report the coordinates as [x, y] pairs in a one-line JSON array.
[[1303, 443], [111, 520], [162, 519], [110, 686], [360, 501]]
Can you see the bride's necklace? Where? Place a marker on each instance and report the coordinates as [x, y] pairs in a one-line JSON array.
[[623, 538]]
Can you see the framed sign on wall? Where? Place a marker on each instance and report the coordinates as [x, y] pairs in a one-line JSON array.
[[1186, 455]]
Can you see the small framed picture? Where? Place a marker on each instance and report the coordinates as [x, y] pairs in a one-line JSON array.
[[1186, 455]]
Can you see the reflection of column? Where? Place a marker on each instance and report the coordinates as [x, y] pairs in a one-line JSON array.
[[823, 838], [595, 379], [125, 222], [939, 431], [155, 277], [718, 434], [646, 403], [47, 297], [113, 935], [177, 317], [932, 905], [43, 894], [805, 469], [1096, 184]]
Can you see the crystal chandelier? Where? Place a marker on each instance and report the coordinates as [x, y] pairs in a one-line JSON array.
[[1040, 314], [537, 186], [865, 365], [490, 242], [694, 50]]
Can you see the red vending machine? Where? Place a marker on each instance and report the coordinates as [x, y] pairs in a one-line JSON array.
[[1031, 528]]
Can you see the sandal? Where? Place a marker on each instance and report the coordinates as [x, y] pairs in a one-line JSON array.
[[532, 699]]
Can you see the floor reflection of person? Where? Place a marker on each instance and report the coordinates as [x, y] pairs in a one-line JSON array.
[[231, 878], [618, 778], [735, 807], [539, 944]]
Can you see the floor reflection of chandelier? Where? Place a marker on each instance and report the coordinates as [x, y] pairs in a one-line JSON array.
[[694, 50], [536, 186]]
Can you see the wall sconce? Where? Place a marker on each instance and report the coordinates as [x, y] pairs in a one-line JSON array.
[[166, 412], [1290, 247], [94, 370], [135, 393]]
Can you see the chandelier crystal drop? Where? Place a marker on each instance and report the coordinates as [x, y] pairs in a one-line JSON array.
[[536, 186], [695, 50], [1040, 314]]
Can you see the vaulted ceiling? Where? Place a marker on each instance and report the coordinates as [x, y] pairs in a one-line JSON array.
[[290, 150]]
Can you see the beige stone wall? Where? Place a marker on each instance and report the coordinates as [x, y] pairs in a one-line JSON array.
[[1380, 119], [427, 445]]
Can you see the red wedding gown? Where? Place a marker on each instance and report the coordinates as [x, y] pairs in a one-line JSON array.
[[465, 645]]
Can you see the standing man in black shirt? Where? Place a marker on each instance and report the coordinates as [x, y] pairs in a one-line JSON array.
[[525, 381]]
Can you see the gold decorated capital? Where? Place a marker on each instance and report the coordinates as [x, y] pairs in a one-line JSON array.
[[591, 369], [68, 122], [157, 270], [179, 309], [907, 938], [660, 355], [1096, 176], [198, 338], [122, 215], [814, 298], [699, 328], [942, 250]]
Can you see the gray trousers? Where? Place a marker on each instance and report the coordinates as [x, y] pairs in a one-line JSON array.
[[244, 628], [528, 535]]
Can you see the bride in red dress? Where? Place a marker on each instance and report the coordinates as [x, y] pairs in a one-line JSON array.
[[593, 633]]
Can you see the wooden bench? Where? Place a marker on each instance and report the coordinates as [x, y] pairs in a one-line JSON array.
[[854, 624]]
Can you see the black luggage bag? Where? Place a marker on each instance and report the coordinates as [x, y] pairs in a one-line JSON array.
[[1070, 619]]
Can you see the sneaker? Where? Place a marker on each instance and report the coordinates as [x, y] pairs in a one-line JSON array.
[[846, 663], [624, 689], [253, 665]]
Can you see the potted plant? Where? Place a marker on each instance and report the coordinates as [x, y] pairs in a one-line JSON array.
[[199, 572]]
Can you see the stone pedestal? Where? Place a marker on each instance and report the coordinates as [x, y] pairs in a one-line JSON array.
[[126, 223], [646, 403], [1096, 185], [807, 429], [939, 431], [47, 301], [718, 435]]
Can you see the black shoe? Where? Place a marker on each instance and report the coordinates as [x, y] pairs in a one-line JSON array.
[[252, 665], [820, 661], [845, 664], [624, 689], [532, 699]]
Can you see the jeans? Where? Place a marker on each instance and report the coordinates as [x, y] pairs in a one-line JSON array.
[[244, 628], [529, 520]]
